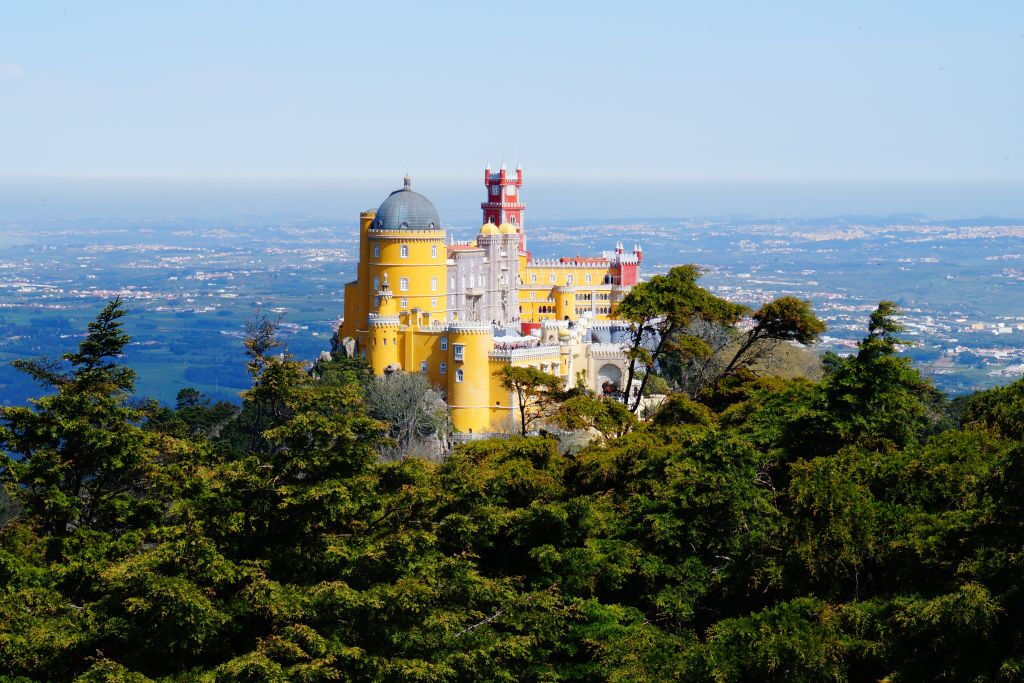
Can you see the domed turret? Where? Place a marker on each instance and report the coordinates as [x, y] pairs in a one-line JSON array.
[[507, 229], [490, 229], [407, 210]]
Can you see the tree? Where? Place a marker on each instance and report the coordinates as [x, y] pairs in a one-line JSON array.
[[83, 459], [662, 312], [416, 415], [787, 319], [610, 418], [536, 393]]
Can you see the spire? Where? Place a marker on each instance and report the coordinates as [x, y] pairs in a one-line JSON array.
[[408, 182]]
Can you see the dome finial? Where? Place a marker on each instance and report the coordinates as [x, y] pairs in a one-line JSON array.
[[408, 182]]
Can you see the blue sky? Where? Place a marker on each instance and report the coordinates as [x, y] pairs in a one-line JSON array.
[[726, 93]]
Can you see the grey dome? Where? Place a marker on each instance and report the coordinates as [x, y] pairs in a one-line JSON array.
[[406, 210]]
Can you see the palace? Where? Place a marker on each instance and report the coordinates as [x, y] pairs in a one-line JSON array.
[[457, 311]]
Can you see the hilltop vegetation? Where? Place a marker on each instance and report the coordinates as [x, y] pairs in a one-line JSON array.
[[756, 528]]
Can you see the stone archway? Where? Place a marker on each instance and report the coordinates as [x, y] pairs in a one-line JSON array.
[[609, 373]]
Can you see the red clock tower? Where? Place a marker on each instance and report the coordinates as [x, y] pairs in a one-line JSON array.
[[503, 204]]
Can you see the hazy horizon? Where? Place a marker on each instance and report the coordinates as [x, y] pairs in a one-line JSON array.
[[34, 200]]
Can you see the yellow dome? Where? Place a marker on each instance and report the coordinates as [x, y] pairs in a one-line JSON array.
[[489, 229], [563, 333], [507, 229]]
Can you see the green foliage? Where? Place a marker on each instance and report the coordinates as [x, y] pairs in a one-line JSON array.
[[775, 529], [537, 393]]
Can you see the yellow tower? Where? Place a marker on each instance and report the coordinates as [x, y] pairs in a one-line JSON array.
[[406, 244], [469, 378], [384, 330], [565, 302]]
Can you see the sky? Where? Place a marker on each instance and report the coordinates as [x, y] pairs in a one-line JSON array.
[[614, 109]]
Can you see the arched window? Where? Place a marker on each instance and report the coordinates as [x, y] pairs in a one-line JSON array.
[[459, 375], [433, 251], [444, 343], [404, 251], [443, 368], [403, 284], [376, 251], [376, 284], [568, 279], [423, 366]]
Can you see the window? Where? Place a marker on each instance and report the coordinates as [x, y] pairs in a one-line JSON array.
[[587, 278], [495, 190], [433, 251], [433, 284], [404, 251], [403, 284], [423, 366], [459, 375], [444, 343], [453, 282], [433, 302], [443, 368], [460, 351], [533, 279], [405, 303], [551, 278], [376, 251], [376, 284], [376, 302], [533, 295], [568, 279]]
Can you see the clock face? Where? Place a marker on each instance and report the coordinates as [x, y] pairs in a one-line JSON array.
[[510, 190]]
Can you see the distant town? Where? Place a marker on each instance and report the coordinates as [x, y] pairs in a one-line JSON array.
[[191, 288]]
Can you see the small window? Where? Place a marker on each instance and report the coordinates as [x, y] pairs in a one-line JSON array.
[[423, 366], [433, 302], [587, 278], [459, 375], [404, 251], [533, 294], [433, 284], [405, 303], [376, 251], [433, 251], [444, 343], [376, 284], [460, 351], [443, 368], [376, 302], [568, 279], [403, 284], [533, 278]]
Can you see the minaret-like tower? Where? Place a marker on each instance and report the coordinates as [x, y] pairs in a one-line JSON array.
[[503, 205]]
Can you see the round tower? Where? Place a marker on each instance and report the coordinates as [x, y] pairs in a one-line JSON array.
[[469, 380], [407, 246], [384, 352], [565, 302]]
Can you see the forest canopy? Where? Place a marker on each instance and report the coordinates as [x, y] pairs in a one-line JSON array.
[[857, 527]]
